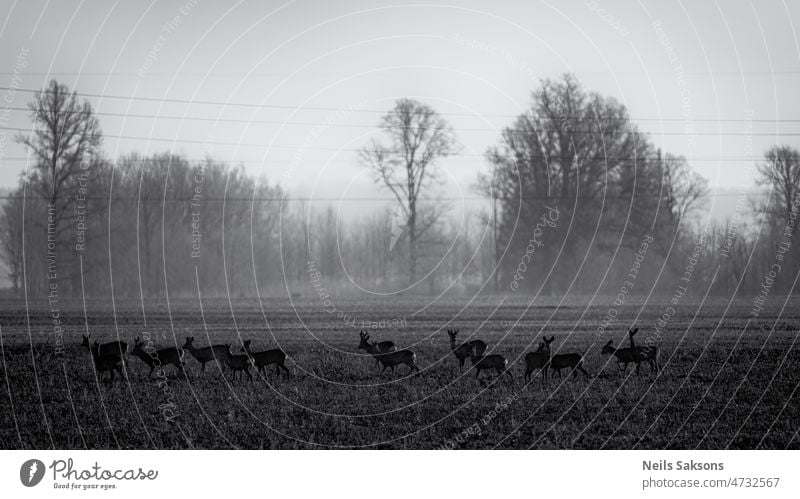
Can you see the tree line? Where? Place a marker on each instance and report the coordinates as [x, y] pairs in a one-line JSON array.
[[577, 199]]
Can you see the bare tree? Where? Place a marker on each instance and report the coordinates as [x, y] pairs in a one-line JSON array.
[[781, 173], [417, 137], [65, 138], [66, 133], [684, 190], [11, 236]]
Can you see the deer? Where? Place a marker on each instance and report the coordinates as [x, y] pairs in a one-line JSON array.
[[262, 359], [624, 356], [571, 361], [485, 362], [214, 353], [158, 358], [462, 351], [540, 359], [240, 363], [113, 347], [105, 362], [647, 354], [391, 359], [383, 346]]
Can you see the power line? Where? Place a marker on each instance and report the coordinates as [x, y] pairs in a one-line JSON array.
[[357, 125], [359, 110]]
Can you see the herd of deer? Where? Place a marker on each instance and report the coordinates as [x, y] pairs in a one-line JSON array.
[[110, 357]]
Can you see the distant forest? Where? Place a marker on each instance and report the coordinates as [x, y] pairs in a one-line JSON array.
[[581, 202]]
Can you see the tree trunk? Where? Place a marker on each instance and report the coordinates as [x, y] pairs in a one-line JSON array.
[[412, 243]]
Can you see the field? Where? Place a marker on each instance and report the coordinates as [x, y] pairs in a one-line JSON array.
[[722, 386]]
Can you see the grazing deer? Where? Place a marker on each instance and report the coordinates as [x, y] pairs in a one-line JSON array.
[[214, 353], [486, 362], [647, 354], [240, 363], [462, 351], [537, 360], [119, 348], [105, 362], [624, 356], [158, 358], [391, 359], [571, 361], [383, 346], [262, 359]]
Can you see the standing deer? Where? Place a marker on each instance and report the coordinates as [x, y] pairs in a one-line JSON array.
[[462, 351], [647, 354], [262, 359], [240, 363], [214, 353], [537, 360], [113, 347], [105, 362], [571, 361], [485, 362], [158, 358], [383, 346], [391, 359], [624, 356]]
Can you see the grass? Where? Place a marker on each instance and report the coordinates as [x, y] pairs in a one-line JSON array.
[[720, 387]]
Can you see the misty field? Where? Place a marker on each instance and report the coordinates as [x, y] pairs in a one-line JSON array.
[[721, 386]]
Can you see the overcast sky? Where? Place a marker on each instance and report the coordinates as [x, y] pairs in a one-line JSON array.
[[699, 76]]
